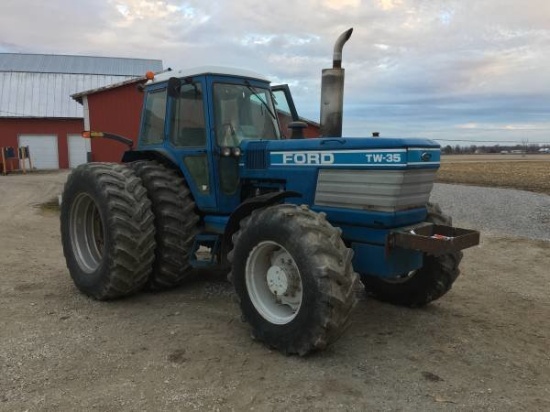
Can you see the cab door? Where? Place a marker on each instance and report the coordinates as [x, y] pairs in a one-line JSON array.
[[284, 104], [188, 140], [284, 101], [242, 110]]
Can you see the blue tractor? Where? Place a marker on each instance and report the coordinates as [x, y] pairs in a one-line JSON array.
[[296, 222]]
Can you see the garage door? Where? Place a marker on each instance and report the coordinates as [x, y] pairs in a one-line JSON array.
[[43, 148], [78, 150]]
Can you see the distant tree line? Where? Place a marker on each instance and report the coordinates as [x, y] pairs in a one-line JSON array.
[[472, 149]]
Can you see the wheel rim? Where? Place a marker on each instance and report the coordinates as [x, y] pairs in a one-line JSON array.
[[274, 283], [86, 228]]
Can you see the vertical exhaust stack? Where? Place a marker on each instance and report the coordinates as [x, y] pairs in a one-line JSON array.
[[332, 91]]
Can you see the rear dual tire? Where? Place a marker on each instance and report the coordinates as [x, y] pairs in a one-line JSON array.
[[175, 223], [107, 230]]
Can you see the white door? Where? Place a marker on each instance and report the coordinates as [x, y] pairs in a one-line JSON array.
[[43, 150], [78, 150]]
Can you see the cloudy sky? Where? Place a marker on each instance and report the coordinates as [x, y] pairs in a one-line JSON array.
[[472, 70]]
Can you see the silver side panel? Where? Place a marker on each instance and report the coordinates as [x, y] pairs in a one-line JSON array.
[[383, 190]]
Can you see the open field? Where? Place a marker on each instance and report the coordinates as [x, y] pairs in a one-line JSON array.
[[495, 158], [530, 172], [482, 347]]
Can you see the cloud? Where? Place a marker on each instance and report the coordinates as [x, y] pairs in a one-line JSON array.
[[412, 66], [468, 126], [388, 4], [506, 127], [341, 4]]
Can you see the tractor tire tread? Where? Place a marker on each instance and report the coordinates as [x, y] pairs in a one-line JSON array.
[[129, 222], [433, 280], [336, 281], [175, 223]]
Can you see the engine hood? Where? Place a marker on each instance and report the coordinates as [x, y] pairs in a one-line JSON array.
[[342, 152]]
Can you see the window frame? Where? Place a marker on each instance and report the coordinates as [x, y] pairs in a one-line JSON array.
[[174, 113], [143, 141]]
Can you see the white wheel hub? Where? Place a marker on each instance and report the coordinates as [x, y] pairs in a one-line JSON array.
[[277, 280], [273, 282]]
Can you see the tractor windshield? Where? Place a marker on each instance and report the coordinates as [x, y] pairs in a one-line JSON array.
[[243, 112]]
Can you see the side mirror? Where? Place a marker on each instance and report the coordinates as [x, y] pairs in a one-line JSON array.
[[173, 88]]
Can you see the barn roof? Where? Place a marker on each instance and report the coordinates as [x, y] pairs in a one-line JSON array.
[[66, 64], [39, 85], [78, 96]]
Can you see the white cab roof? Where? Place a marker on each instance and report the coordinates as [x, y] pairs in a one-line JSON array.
[[219, 70]]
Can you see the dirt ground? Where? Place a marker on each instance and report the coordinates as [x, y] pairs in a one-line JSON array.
[[526, 172], [483, 347]]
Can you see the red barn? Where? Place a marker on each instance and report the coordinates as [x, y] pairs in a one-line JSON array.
[[115, 109], [36, 109]]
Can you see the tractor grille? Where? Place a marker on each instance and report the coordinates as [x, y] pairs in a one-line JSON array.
[[382, 190], [256, 156]]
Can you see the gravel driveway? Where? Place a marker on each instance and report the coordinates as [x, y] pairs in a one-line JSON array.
[[505, 212]]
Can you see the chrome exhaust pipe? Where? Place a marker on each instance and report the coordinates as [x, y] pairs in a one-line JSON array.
[[332, 91], [338, 46]]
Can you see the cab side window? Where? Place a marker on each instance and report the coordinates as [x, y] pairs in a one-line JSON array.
[[155, 113], [188, 123]]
